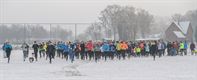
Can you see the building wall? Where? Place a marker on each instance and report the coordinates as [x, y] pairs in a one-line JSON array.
[[169, 34], [189, 35]]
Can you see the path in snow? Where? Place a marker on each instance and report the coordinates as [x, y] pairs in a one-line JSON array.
[[165, 68]]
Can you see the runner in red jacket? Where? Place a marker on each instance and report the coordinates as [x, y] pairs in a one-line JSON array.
[[90, 48]]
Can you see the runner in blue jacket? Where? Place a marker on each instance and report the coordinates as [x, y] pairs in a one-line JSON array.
[[112, 51], [106, 49], [65, 51], [8, 49], [71, 52]]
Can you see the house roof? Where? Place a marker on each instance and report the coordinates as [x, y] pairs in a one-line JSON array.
[[179, 34], [183, 26], [147, 39]]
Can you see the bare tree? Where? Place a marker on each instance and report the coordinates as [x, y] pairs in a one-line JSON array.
[[19, 33], [177, 17], [125, 21], [94, 31], [145, 20]]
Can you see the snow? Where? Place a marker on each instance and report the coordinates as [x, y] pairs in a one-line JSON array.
[[183, 26], [144, 68], [147, 39], [179, 34]]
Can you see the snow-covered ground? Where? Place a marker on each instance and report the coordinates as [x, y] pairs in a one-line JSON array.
[[165, 68]]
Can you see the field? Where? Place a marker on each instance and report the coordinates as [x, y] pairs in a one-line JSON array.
[[144, 68]]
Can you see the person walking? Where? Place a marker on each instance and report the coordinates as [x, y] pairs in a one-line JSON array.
[[192, 48], [35, 48], [41, 49], [97, 51], [71, 52], [160, 48], [181, 48], [8, 49], [112, 50], [82, 45], [153, 49], [163, 47], [25, 48], [147, 49], [185, 47], [89, 47], [169, 49], [105, 48], [138, 51], [124, 47], [77, 50], [141, 46], [118, 48], [50, 51], [65, 51], [59, 49]]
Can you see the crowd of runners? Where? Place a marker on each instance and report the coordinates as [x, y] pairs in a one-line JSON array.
[[102, 50]]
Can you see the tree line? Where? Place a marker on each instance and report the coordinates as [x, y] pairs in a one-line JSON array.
[[18, 33], [121, 22], [115, 21], [128, 23]]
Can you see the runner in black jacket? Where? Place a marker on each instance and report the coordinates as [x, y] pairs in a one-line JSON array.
[[153, 49], [35, 47], [50, 51]]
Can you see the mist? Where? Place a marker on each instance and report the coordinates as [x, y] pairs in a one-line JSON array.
[[88, 12]]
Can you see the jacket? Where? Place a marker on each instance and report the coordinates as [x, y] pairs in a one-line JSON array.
[[105, 47], [8, 47]]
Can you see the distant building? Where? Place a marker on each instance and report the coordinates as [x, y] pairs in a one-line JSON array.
[[179, 31]]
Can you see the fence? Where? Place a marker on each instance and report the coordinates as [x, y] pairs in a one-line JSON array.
[[73, 30]]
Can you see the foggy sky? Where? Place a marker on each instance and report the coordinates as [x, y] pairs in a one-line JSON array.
[[81, 11]]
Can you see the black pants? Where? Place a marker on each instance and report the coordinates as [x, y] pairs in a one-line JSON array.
[[25, 55], [77, 54], [185, 51], [82, 55], [106, 54], [143, 53], [53, 54], [42, 53], [147, 53], [36, 54], [160, 52], [50, 57], [163, 52], [119, 54], [181, 52], [153, 53], [123, 52], [111, 55], [97, 55], [129, 54], [168, 51], [8, 53], [65, 55], [90, 54], [138, 54], [86, 55]]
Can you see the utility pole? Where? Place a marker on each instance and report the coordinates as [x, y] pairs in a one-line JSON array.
[[75, 31], [50, 32], [24, 32]]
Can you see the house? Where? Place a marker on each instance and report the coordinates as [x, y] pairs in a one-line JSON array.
[[179, 31]]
